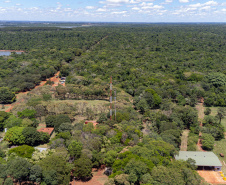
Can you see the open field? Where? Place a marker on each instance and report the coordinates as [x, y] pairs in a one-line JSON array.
[[214, 112], [220, 147]]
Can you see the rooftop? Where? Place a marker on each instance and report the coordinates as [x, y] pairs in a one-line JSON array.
[[93, 122], [201, 158], [46, 130]]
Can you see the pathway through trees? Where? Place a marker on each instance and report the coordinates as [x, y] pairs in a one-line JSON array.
[[97, 43], [184, 140], [201, 115]]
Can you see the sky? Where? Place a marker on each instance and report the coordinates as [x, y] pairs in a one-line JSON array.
[[114, 10]]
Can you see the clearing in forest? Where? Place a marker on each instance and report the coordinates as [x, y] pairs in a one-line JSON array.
[[214, 113], [184, 140], [99, 178], [201, 115], [212, 177], [55, 79]]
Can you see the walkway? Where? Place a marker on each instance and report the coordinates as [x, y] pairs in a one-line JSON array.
[[201, 115], [184, 140]]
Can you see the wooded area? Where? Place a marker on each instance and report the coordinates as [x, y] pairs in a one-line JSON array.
[[160, 72]]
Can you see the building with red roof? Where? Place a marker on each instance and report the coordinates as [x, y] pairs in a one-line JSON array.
[[48, 130], [93, 122]]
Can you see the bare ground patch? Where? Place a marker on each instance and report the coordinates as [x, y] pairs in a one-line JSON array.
[[211, 177]]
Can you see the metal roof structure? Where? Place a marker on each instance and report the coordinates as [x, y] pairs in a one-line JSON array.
[[201, 158]]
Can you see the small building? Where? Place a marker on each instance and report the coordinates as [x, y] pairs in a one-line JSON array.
[[48, 130], [93, 122], [204, 160]]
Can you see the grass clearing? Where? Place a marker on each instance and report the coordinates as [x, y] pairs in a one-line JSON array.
[[90, 102], [220, 147], [184, 140], [214, 113]]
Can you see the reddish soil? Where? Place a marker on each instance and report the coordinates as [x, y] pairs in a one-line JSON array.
[[212, 177], [93, 122], [98, 179], [54, 79]]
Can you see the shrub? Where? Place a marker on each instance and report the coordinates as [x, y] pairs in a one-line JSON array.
[[23, 151], [207, 141]]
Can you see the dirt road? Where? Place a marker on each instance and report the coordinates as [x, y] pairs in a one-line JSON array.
[[201, 115], [184, 140], [54, 79]]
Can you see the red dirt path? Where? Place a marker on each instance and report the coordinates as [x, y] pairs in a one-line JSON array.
[[54, 79]]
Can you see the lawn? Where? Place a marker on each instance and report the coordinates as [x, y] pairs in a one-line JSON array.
[[214, 112], [220, 147]]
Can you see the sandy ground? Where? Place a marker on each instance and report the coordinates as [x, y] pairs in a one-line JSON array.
[[211, 177]]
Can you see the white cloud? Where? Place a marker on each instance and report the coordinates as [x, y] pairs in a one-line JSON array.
[[117, 1], [184, 1], [168, 1], [211, 3], [196, 5], [157, 7], [135, 8], [122, 12], [133, 2], [7, 1], [90, 7], [59, 6], [205, 8], [101, 10], [67, 9]]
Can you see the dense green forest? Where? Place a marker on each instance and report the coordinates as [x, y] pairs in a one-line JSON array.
[[160, 72]]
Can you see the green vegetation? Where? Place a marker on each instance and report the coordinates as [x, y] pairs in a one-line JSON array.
[[159, 71], [214, 113], [220, 148]]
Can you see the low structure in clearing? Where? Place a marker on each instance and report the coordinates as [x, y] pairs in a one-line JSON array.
[[204, 160], [93, 122], [48, 130]]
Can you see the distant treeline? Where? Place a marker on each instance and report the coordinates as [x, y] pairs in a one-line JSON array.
[[181, 62]]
